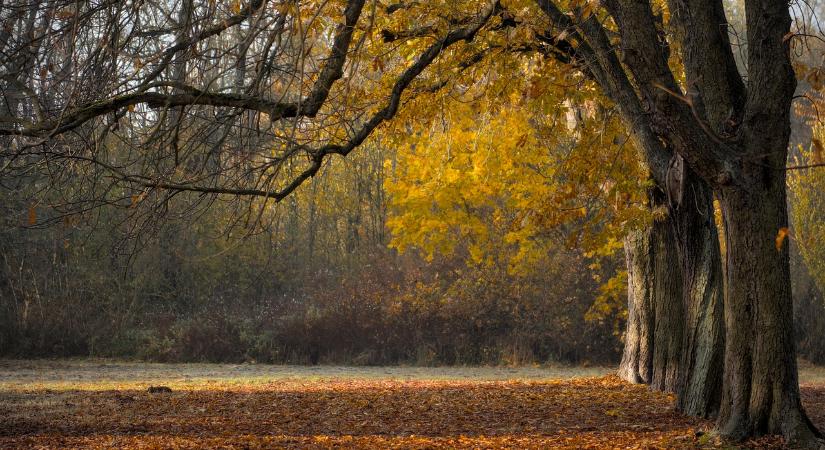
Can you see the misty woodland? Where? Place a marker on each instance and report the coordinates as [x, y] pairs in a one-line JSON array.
[[571, 223]]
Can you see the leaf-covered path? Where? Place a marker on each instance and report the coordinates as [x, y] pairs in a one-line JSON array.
[[372, 411]]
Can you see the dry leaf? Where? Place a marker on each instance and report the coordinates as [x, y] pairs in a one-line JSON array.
[[588, 9], [594, 412], [64, 14], [780, 237]]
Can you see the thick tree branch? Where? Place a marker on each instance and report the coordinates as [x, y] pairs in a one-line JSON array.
[[672, 115], [334, 66], [771, 79], [592, 43], [702, 31], [392, 36]]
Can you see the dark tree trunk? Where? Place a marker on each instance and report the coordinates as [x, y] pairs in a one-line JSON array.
[[700, 378], [668, 308], [675, 334], [761, 389]]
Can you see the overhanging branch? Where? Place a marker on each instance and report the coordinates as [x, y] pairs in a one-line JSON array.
[[331, 72], [387, 112]]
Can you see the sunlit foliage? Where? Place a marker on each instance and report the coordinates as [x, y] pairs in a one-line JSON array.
[[806, 187]]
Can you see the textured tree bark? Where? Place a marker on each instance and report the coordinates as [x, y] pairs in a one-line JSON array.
[[701, 367], [761, 389], [675, 334], [655, 322], [668, 307], [637, 357], [734, 135]]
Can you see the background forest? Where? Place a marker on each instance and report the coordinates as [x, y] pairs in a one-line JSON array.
[[322, 283], [465, 233]]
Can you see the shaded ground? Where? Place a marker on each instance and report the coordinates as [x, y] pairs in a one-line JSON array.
[[93, 404]]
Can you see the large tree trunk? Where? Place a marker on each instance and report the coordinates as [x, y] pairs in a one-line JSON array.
[[761, 390], [735, 136], [668, 309], [700, 378], [655, 323], [675, 335]]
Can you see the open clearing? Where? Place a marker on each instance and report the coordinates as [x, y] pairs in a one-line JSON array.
[[97, 404]]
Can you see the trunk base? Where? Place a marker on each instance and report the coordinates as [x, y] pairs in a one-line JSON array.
[[761, 388], [795, 427]]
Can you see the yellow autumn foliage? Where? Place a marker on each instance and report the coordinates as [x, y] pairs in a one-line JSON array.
[[504, 183], [806, 188]]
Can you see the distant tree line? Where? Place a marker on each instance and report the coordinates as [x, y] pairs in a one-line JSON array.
[[316, 284]]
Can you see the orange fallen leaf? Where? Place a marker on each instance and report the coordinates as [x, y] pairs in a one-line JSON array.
[[780, 237]]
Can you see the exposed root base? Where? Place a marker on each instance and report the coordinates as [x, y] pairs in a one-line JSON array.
[[797, 430]]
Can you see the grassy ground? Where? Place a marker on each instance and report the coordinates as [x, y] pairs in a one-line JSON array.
[[97, 404], [101, 374]]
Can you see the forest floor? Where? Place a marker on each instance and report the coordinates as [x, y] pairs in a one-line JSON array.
[[97, 404]]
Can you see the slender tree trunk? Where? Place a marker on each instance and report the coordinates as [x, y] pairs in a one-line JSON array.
[[637, 358], [761, 389]]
